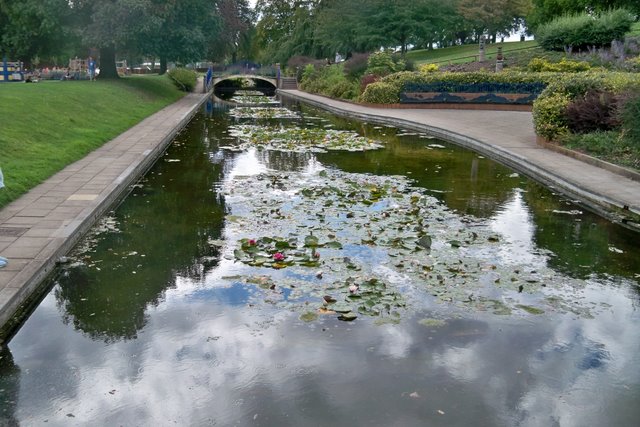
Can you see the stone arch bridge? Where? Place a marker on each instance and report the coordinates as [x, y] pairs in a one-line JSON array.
[[271, 80]]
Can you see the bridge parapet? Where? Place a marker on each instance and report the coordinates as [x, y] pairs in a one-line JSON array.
[[219, 78]]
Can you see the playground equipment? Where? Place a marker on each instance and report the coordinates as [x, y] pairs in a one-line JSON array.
[[11, 71], [122, 68]]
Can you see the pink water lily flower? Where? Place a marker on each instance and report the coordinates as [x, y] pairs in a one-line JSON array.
[[278, 256], [252, 242]]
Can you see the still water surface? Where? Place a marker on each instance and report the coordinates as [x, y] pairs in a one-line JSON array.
[[152, 323]]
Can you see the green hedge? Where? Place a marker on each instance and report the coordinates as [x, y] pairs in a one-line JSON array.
[[183, 78], [584, 30], [549, 110]]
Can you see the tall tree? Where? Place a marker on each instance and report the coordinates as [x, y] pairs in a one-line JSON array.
[[342, 27], [494, 17], [441, 25], [111, 26], [237, 23], [30, 28], [184, 31], [395, 22], [273, 28], [545, 10]]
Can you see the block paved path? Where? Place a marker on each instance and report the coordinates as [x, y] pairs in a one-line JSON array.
[[44, 224], [509, 137]]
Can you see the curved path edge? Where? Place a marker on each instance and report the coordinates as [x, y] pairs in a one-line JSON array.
[[43, 225], [509, 138]]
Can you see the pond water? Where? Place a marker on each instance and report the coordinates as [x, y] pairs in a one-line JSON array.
[[246, 281]]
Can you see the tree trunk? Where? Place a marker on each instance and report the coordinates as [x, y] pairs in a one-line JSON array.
[[108, 63], [163, 64]]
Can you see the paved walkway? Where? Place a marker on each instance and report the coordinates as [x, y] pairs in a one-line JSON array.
[[509, 137], [43, 225]]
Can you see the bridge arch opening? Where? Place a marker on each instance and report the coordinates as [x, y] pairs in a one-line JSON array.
[[226, 87]]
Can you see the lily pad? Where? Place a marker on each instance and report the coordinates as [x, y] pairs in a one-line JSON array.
[[261, 112], [309, 316], [341, 307], [297, 139], [432, 323], [529, 309], [347, 317]]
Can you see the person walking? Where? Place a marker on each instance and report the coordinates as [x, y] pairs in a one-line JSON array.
[[92, 68]]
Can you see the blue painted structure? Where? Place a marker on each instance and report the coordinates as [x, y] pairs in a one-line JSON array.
[[11, 71]]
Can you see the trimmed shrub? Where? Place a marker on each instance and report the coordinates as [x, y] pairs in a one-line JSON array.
[[564, 66], [549, 116], [309, 72], [383, 64], [381, 93], [594, 111], [584, 30], [329, 81], [428, 68], [183, 78]]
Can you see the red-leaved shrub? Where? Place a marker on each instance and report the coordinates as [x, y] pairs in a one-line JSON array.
[[597, 110]]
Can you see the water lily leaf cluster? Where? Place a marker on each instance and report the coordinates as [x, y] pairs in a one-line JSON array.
[[364, 296], [263, 113], [355, 229], [252, 97], [297, 139], [278, 253]]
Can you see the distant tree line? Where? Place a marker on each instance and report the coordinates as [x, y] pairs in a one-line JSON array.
[[320, 28], [228, 30], [51, 31]]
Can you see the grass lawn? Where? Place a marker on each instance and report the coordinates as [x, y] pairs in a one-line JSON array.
[[465, 53], [48, 125]]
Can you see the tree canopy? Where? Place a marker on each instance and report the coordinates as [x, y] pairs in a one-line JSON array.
[[185, 31], [323, 27], [180, 31]]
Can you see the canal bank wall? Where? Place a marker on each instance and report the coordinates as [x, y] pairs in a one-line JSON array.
[[42, 226], [509, 138]]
